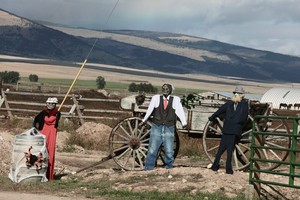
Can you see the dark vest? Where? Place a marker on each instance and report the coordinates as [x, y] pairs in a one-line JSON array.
[[164, 117]]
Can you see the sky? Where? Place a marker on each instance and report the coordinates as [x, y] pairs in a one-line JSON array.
[[272, 25]]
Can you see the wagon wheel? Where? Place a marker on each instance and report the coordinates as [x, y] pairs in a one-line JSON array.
[[128, 143], [275, 125], [241, 155]]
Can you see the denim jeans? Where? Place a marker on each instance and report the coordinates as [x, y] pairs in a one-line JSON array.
[[160, 135]]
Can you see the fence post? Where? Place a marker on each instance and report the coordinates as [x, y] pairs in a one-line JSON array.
[[293, 152], [78, 109], [250, 192], [6, 104], [255, 139]]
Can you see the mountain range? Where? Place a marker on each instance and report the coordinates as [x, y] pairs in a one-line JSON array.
[[137, 49]]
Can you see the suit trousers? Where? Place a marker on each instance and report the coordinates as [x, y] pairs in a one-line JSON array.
[[227, 143]]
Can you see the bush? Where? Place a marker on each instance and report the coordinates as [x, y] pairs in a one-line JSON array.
[[100, 82], [33, 78], [9, 77], [142, 87], [133, 87]]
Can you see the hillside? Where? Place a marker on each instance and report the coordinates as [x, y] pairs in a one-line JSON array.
[[164, 52]]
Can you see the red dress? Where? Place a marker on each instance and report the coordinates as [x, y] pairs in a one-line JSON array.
[[50, 132], [47, 122]]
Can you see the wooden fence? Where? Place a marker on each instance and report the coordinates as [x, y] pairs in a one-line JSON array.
[[27, 104], [24, 86]]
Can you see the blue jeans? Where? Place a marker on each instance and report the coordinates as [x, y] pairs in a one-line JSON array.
[[160, 135]]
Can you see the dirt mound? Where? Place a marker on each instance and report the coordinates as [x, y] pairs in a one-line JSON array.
[[94, 133], [91, 94], [61, 138]]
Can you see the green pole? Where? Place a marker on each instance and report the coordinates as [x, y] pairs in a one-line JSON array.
[[293, 152]]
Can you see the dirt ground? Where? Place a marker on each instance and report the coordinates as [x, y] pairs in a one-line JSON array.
[[188, 175]]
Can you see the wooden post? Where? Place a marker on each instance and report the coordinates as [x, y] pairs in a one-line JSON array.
[[78, 109], [6, 104]]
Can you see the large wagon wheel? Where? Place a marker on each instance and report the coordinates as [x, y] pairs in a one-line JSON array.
[[241, 155], [280, 142], [128, 143]]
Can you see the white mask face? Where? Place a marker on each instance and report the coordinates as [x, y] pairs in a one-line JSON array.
[[50, 106], [166, 90], [236, 98]]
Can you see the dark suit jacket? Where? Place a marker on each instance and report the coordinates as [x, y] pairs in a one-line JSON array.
[[234, 121]]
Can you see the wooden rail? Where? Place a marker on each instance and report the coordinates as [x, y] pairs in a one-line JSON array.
[[26, 104]]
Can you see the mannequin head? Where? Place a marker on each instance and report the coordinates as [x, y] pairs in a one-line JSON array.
[[167, 89], [238, 94], [51, 103]]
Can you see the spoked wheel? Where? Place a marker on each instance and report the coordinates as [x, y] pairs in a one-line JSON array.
[[128, 143], [241, 155], [272, 141]]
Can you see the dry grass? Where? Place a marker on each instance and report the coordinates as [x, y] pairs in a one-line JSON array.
[[189, 146]]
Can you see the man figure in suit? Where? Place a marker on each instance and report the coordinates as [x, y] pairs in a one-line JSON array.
[[236, 114]]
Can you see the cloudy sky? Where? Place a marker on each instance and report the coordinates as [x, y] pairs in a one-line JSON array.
[[272, 25]]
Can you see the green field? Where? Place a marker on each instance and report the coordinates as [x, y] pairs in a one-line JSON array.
[[91, 84]]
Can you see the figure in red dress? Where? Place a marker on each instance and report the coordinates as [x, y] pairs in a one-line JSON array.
[[46, 122]]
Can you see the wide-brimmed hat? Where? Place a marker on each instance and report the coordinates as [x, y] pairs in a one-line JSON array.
[[52, 100], [239, 89]]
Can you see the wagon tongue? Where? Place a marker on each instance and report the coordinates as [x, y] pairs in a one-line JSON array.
[[95, 164]]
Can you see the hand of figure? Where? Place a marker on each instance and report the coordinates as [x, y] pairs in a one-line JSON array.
[[142, 124], [211, 119], [58, 114], [35, 131]]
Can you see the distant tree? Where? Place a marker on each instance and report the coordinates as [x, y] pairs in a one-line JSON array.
[[33, 78], [132, 87], [100, 82], [10, 77], [150, 88], [142, 87]]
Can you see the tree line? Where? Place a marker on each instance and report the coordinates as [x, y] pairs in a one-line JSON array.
[[12, 77]]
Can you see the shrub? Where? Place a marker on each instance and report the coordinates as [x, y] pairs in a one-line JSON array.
[[100, 82], [10, 77], [132, 87], [142, 87], [33, 78]]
